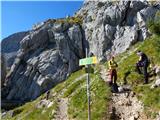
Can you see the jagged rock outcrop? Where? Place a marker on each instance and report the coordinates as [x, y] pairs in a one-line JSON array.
[[10, 46], [46, 57], [112, 27]]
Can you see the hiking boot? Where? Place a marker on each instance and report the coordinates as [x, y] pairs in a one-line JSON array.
[[110, 83]]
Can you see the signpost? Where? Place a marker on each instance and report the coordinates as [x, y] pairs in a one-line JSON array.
[[87, 61]]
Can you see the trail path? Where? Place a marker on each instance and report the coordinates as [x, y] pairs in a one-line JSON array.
[[61, 113], [124, 105]]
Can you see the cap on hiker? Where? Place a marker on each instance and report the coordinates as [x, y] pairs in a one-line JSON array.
[[91, 54], [139, 52]]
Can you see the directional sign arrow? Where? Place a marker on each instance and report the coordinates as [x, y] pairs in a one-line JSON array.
[[87, 61]]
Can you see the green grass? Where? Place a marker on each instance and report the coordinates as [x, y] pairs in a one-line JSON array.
[[100, 95], [100, 92], [151, 47], [154, 24], [29, 111], [58, 88], [75, 89], [150, 98], [71, 20]]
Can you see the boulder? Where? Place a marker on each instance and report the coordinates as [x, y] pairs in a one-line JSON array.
[[157, 81], [157, 71], [156, 84], [44, 104], [158, 116]]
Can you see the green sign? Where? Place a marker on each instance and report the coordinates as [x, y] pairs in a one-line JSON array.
[[87, 61]]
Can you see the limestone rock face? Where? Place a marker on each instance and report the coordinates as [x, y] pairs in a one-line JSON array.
[[123, 41], [112, 27], [10, 46], [46, 57]]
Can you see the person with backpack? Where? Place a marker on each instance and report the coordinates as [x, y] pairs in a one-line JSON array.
[[143, 62], [113, 73]]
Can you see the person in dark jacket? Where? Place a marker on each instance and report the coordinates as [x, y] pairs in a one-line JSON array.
[[143, 63]]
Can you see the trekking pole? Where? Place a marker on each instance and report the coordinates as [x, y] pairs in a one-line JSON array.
[[88, 87]]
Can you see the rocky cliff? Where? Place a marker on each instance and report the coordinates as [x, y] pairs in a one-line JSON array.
[[10, 46], [50, 52], [47, 55], [112, 27]]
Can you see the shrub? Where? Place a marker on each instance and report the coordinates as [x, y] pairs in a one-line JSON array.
[[71, 20], [154, 25]]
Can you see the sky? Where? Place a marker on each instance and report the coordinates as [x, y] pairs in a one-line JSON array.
[[17, 16]]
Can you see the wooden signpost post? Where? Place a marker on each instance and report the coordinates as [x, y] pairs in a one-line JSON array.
[[87, 62]]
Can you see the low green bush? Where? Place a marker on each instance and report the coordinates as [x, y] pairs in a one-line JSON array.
[[154, 25]]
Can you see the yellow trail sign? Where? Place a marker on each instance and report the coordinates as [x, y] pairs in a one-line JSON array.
[[87, 61]]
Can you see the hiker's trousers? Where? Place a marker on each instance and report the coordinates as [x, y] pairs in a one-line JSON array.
[[143, 65], [113, 75]]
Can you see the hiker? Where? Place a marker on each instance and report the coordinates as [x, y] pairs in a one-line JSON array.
[[47, 94], [112, 71], [143, 63]]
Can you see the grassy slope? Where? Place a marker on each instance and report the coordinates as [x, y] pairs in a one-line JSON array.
[[150, 98], [99, 101], [29, 111], [75, 90]]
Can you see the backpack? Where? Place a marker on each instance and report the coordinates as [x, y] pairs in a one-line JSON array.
[[114, 88]]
